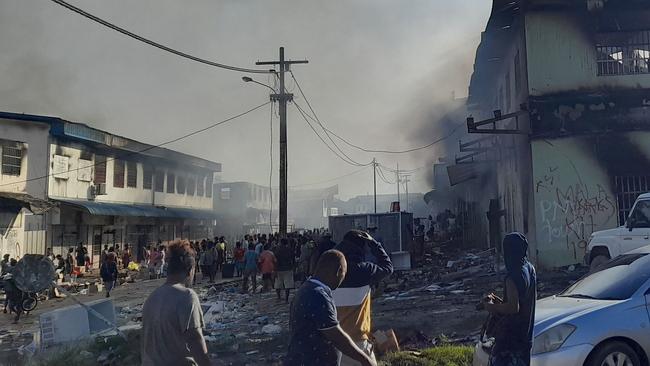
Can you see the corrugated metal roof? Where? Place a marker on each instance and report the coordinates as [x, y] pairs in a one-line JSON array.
[[133, 210]]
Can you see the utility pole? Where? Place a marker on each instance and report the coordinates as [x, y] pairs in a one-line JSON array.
[[406, 181], [282, 98], [374, 180], [399, 200]]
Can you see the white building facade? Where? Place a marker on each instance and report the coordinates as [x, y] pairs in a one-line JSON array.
[[96, 188]]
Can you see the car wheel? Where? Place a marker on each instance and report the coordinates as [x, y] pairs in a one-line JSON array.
[[614, 354], [598, 261]]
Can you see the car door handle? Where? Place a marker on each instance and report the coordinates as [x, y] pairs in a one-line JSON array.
[[627, 238]]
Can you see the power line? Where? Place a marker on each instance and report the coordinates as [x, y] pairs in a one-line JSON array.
[[331, 180], [146, 149], [315, 116], [373, 150], [155, 44], [382, 176], [353, 163], [325, 131]]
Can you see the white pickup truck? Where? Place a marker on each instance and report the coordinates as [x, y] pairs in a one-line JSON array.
[[606, 244]]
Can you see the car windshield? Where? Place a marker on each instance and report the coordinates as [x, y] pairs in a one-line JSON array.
[[618, 279]]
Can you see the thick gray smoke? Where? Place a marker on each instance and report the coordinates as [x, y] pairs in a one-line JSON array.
[[379, 71]]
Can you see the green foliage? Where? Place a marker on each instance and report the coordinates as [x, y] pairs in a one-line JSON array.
[[437, 356]]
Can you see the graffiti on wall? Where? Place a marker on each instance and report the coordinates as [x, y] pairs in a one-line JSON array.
[[571, 213]]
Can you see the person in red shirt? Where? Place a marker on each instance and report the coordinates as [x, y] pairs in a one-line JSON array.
[[267, 267], [238, 255]]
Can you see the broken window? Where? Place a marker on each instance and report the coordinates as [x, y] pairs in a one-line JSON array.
[[191, 186], [517, 74], [200, 185], [159, 181], [132, 174], [623, 53], [12, 158], [208, 185], [180, 185], [147, 176], [118, 173], [628, 188], [171, 183]]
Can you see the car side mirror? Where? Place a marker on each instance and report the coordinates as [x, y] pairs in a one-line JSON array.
[[630, 223], [647, 292]]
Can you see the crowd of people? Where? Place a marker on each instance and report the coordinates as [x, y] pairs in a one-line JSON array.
[[330, 319]]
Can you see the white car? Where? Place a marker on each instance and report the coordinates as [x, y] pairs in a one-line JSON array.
[[601, 320], [606, 244]]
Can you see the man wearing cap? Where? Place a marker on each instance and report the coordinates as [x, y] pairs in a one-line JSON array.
[[352, 298]]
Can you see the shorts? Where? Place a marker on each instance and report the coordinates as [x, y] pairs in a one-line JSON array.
[[284, 280], [267, 276]]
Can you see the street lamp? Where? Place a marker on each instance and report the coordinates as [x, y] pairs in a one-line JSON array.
[[248, 79]]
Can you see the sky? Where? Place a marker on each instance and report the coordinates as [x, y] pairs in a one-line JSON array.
[[380, 74]]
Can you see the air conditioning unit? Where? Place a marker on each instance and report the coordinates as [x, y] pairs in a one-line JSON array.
[[99, 189]]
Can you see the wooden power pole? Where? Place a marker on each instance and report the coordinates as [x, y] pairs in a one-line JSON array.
[[282, 98]]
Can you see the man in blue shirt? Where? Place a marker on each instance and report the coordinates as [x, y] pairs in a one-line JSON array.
[[316, 336], [251, 258]]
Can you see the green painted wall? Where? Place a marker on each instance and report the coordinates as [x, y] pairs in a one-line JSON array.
[[573, 198]]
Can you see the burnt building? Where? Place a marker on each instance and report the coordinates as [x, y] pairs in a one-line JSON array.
[[559, 105]]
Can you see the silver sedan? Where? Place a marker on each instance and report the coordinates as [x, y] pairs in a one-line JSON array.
[[601, 320]]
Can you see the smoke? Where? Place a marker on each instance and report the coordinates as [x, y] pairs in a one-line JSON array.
[[381, 73]]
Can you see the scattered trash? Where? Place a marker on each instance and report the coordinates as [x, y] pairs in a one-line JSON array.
[[272, 329]]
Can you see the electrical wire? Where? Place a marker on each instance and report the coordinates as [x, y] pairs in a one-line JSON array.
[[155, 44], [382, 176], [353, 163], [331, 180], [324, 130], [147, 148], [405, 151]]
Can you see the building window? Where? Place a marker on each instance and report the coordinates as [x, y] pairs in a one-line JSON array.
[[12, 158], [623, 53], [132, 174], [225, 194], [628, 189], [208, 185], [171, 183], [118, 173], [100, 169], [147, 176], [159, 183], [200, 186], [191, 186], [180, 185], [86, 155]]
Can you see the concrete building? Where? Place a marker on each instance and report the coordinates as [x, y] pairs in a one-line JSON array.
[[102, 189], [562, 91], [364, 204], [244, 207]]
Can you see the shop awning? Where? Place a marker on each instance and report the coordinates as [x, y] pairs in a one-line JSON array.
[[134, 210], [37, 206]]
